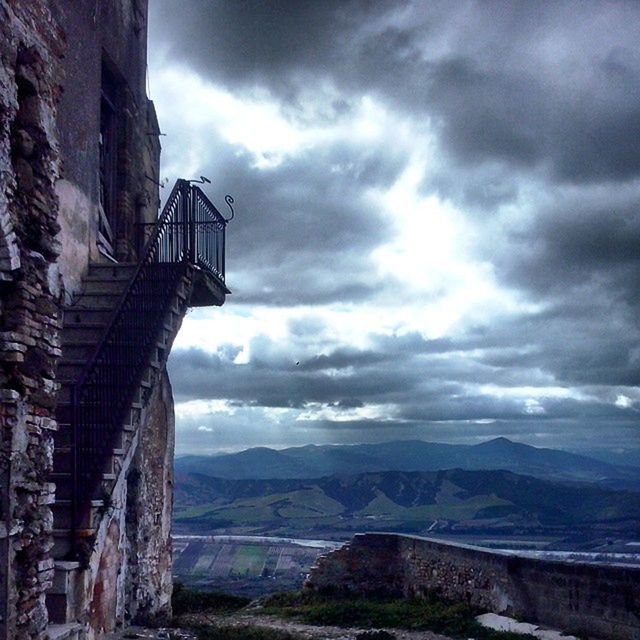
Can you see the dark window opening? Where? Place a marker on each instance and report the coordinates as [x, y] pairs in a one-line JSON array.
[[109, 136]]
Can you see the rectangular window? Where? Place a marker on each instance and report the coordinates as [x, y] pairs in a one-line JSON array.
[[109, 136]]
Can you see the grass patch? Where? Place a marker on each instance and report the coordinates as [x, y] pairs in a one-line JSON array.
[[454, 620], [188, 601], [248, 561]]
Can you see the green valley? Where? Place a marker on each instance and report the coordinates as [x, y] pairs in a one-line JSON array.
[[453, 501]]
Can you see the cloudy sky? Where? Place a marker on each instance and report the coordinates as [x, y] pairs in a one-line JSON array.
[[437, 229]]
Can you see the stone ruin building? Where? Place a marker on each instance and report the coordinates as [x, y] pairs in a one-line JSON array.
[[93, 287], [94, 284]]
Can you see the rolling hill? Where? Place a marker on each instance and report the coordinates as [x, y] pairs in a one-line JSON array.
[[455, 500]]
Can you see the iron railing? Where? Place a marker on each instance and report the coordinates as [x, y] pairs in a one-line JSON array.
[[189, 233]]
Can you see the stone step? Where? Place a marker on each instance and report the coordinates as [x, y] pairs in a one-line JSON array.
[[183, 291], [170, 323], [74, 333], [63, 437], [78, 350], [63, 456], [80, 344], [69, 370], [97, 286], [63, 549], [113, 271], [86, 316], [64, 481], [64, 397], [96, 301], [66, 631], [66, 600], [77, 355], [63, 514], [63, 410], [80, 362]]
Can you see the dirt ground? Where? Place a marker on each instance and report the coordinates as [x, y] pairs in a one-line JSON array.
[[303, 631]]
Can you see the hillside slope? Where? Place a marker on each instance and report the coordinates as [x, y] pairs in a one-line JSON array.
[[453, 500]]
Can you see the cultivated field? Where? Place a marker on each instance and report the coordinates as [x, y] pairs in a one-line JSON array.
[[243, 565]]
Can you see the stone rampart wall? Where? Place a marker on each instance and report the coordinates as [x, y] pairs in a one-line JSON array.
[[588, 600]]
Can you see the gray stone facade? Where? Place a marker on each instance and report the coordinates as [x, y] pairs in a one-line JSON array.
[[31, 46], [56, 58]]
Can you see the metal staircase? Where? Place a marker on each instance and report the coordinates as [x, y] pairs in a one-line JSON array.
[[116, 339]]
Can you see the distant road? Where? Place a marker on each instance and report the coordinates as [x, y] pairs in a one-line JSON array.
[[579, 556], [301, 542]]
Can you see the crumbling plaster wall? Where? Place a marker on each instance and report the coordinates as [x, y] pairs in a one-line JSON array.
[[111, 32], [593, 601], [149, 511], [129, 575], [31, 46]]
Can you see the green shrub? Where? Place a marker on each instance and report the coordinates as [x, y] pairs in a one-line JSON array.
[[188, 601], [453, 620]]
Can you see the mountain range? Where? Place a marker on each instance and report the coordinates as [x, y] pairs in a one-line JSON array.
[[409, 455]]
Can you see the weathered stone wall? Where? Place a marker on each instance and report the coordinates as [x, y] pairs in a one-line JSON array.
[[588, 600], [31, 46], [149, 510], [128, 579], [49, 195]]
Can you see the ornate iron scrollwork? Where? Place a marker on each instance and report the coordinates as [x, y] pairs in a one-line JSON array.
[[229, 200]]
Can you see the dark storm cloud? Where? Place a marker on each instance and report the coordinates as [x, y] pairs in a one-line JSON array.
[[425, 404], [531, 88], [425, 385], [577, 341], [477, 188], [520, 115], [552, 84], [245, 43], [535, 112], [582, 242], [303, 230], [271, 383], [342, 358], [470, 408]]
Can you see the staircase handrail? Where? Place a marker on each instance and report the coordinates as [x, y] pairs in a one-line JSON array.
[[181, 236], [179, 188]]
